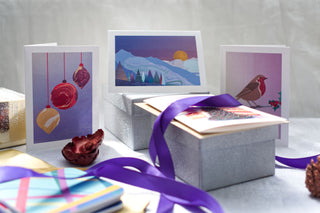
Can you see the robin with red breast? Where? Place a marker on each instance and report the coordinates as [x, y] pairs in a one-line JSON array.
[[254, 90]]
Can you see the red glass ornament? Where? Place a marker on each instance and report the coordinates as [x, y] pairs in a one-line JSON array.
[[81, 76], [64, 95]]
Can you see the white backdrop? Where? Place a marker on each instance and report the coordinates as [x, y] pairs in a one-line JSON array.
[[295, 23]]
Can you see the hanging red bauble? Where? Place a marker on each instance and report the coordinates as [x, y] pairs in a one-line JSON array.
[[64, 95], [81, 76]]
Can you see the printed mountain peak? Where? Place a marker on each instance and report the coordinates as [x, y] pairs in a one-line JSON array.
[[122, 55], [154, 71]]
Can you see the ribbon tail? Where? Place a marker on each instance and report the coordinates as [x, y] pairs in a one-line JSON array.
[[165, 205], [299, 163], [159, 148], [178, 193], [9, 173]]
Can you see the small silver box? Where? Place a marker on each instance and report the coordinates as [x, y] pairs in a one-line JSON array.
[[128, 122]]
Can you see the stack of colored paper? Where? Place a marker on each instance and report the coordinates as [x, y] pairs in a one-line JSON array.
[[88, 194]]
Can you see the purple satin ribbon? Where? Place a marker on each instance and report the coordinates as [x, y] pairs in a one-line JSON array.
[[299, 163], [147, 177], [158, 146], [160, 176]]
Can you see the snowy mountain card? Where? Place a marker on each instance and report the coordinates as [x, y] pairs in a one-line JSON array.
[[156, 61], [258, 76]]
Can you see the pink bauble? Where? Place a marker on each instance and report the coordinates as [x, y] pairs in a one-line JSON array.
[[81, 76]]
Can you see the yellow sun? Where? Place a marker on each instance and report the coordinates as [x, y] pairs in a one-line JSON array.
[[180, 54]]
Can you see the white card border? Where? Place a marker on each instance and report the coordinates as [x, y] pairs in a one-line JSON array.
[[285, 77], [154, 89], [28, 50]]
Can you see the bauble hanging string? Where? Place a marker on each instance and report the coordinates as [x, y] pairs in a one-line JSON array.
[[81, 76], [48, 118], [64, 95]]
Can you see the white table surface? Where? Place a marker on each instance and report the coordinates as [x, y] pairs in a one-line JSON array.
[[283, 192]]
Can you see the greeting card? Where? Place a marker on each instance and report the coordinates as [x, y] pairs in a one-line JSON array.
[[209, 119], [258, 76], [61, 93], [155, 61]]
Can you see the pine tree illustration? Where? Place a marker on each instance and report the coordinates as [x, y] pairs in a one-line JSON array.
[[132, 78], [138, 77], [156, 78], [149, 78]]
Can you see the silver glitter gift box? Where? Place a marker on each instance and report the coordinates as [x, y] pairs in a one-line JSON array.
[[128, 122], [211, 161], [220, 160], [207, 161]]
